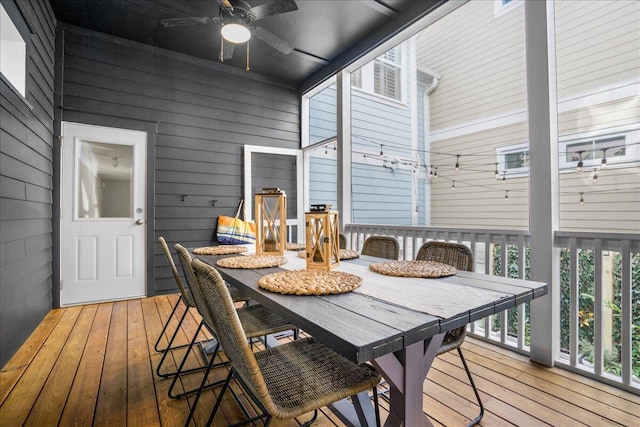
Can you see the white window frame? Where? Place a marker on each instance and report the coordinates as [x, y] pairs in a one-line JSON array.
[[501, 7], [632, 148], [501, 154], [368, 83], [13, 49]]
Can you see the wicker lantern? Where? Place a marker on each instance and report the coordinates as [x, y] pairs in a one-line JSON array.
[[322, 237], [271, 222]]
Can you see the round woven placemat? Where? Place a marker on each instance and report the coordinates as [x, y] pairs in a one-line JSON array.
[[252, 261], [220, 250], [428, 269], [296, 246], [310, 282], [344, 254]]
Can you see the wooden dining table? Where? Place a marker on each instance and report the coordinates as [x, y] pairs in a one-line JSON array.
[[395, 323]]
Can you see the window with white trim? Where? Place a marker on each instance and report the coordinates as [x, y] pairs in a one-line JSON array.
[[600, 150], [513, 160], [503, 6], [383, 76], [13, 53]]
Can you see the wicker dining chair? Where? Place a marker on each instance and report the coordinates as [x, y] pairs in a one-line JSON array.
[[285, 381], [460, 257], [187, 299], [382, 247], [256, 320], [342, 241]]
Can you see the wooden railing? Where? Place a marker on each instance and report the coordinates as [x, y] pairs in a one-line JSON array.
[[497, 248]]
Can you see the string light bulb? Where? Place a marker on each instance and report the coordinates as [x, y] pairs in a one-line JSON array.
[[603, 163], [435, 172], [504, 177], [595, 175], [453, 184], [430, 171], [497, 171], [381, 153], [457, 162], [582, 198], [506, 194], [325, 151], [580, 164]]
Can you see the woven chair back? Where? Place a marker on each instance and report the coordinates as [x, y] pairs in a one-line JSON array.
[[186, 294], [342, 241], [220, 310], [382, 247], [455, 254], [198, 299]]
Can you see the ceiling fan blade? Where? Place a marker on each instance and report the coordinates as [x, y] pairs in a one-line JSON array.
[[271, 39], [227, 51], [181, 22], [276, 7]]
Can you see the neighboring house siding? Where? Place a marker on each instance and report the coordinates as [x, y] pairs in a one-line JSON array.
[[379, 195], [26, 184], [203, 115], [479, 106], [481, 60], [605, 55]]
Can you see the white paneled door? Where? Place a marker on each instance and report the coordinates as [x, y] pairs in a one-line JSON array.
[[102, 244]]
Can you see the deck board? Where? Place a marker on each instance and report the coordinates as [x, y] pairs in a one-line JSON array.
[[96, 365]]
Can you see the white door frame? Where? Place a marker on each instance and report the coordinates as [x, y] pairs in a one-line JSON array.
[[248, 197]]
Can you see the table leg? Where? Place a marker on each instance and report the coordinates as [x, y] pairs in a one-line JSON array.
[[405, 371]]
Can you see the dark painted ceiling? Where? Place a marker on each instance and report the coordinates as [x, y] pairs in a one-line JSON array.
[[320, 30]]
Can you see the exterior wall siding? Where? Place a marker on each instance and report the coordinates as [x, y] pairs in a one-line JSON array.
[[26, 185], [203, 114], [379, 194], [479, 107]]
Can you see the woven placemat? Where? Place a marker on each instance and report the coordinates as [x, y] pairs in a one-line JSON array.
[[344, 254], [427, 269], [252, 261], [310, 282], [296, 246], [220, 250]]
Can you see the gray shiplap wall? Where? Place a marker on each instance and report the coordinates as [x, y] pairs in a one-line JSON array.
[[203, 114], [26, 185]]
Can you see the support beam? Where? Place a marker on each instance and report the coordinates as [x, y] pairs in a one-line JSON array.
[[343, 129], [543, 178]]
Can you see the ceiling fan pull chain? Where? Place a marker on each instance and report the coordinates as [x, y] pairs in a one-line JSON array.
[[247, 69]]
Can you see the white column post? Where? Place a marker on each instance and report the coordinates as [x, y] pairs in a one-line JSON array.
[[543, 177], [343, 129]]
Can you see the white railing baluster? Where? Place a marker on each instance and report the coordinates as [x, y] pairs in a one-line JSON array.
[[598, 312], [626, 318], [573, 303]]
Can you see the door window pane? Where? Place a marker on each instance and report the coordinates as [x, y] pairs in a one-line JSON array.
[[103, 180]]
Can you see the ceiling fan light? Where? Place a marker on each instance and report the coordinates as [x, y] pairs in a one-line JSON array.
[[235, 33]]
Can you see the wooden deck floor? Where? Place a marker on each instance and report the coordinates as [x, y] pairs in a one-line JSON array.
[[95, 365]]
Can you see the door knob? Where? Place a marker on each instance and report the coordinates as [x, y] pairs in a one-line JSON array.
[[139, 222]]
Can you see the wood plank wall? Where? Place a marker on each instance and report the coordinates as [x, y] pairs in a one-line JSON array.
[[26, 184], [203, 114]]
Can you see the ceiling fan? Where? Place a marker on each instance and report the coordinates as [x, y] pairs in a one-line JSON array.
[[237, 19]]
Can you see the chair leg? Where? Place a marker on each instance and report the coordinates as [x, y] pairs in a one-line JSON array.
[[184, 360], [376, 405], [203, 385], [169, 348], [164, 328], [225, 386], [477, 419]]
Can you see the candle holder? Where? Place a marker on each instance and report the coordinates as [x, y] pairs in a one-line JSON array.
[[322, 238], [271, 221]]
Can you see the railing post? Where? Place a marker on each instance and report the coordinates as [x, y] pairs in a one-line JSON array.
[[543, 176]]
